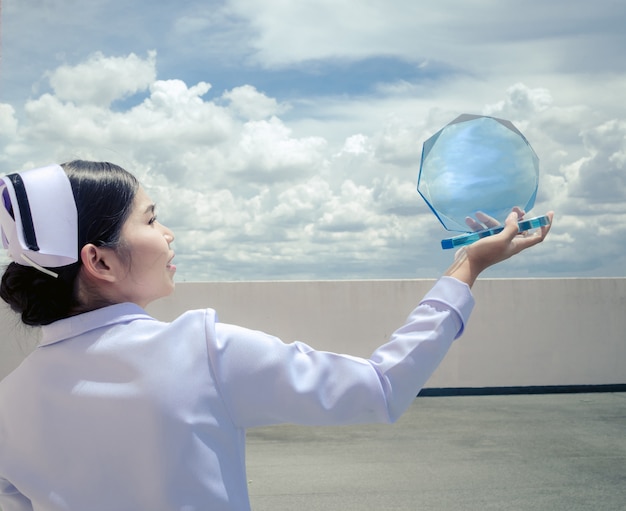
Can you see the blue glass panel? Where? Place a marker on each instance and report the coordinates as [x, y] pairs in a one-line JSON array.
[[477, 163]]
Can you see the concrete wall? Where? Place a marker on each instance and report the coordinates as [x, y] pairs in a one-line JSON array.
[[523, 332]]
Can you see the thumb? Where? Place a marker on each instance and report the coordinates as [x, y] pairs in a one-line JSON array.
[[511, 228]]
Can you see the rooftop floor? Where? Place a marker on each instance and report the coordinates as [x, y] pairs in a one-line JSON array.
[[457, 453]]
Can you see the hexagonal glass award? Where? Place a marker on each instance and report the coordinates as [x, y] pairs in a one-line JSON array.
[[478, 164]]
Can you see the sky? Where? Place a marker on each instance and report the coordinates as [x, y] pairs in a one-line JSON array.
[[281, 140]]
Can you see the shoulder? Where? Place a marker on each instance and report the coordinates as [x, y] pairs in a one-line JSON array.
[[201, 319]]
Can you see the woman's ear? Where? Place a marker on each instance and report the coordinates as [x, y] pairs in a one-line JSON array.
[[99, 263]]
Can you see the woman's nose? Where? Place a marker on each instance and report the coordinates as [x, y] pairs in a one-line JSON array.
[[169, 235]]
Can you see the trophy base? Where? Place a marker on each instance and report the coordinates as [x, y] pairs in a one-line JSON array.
[[471, 237]]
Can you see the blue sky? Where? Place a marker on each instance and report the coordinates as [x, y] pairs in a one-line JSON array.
[[282, 140]]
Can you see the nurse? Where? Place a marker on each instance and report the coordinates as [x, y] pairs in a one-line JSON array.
[[115, 410]]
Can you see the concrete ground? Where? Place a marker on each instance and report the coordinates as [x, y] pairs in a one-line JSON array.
[[548, 452]]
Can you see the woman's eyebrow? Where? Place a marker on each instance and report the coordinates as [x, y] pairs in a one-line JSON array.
[[150, 209]]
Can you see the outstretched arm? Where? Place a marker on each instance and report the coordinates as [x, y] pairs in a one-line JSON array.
[[265, 381]]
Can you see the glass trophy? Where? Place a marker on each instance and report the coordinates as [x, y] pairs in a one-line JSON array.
[[478, 164]]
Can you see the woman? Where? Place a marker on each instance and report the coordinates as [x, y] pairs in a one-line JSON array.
[[118, 411]]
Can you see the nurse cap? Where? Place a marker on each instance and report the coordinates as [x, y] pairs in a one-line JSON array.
[[38, 218]]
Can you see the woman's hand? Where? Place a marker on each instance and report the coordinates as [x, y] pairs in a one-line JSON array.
[[470, 261]]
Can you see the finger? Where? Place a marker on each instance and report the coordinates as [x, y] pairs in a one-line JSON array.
[[542, 232], [473, 224], [524, 242], [487, 220], [546, 228], [511, 228], [520, 212]]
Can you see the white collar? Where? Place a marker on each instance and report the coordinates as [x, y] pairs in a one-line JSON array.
[[87, 321]]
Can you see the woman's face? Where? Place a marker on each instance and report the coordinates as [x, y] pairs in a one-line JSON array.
[[150, 272]]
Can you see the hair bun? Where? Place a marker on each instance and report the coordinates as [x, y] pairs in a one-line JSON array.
[[38, 298]]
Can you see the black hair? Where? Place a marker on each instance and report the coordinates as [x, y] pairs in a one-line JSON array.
[[104, 195]]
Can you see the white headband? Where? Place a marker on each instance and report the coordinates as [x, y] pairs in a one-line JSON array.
[[38, 218]]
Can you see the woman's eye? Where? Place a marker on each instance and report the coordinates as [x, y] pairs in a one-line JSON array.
[[152, 220]]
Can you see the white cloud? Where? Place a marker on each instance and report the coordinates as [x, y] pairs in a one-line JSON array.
[[267, 151], [251, 104], [325, 187], [302, 203], [520, 103], [355, 144], [398, 143], [352, 211], [101, 80], [482, 37], [8, 122], [600, 178]]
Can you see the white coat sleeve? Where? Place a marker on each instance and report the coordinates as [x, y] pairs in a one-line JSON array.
[[11, 499], [265, 381]]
